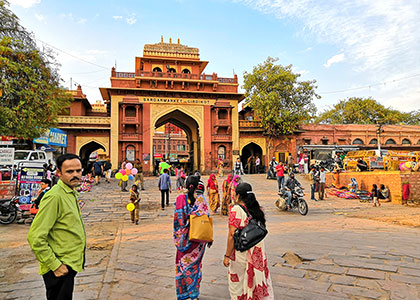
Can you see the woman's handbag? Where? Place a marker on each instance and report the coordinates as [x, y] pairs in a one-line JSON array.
[[201, 228], [250, 235]]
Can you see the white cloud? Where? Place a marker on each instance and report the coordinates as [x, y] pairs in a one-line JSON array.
[[72, 18], [117, 17], [131, 19], [25, 3], [81, 21], [41, 18], [335, 59], [372, 33], [379, 38]]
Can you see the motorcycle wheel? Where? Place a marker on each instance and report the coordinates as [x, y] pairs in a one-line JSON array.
[[8, 218], [302, 207]]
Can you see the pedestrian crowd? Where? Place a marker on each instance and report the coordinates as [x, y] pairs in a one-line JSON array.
[[58, 240]]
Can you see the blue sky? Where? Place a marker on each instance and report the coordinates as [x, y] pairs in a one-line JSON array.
[[351, 48]]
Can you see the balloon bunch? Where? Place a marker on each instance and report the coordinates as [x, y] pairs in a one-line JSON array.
[[127, 173], [405, 166]]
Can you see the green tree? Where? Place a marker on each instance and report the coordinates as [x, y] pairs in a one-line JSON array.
[[30, 92], [278, 98], [364, 111]]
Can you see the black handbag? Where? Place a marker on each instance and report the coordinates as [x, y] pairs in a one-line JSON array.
[[250, 235]]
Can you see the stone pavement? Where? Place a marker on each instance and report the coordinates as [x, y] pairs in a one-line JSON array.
[[324, 255]]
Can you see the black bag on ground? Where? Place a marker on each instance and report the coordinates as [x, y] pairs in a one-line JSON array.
[[250, 235]]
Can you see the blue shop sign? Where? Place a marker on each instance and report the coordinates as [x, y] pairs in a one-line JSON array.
[[53, 137]]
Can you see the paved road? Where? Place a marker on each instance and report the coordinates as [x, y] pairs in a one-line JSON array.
[[324, 255]]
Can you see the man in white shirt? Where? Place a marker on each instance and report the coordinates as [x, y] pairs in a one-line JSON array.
[[322, 179], [257, 164]]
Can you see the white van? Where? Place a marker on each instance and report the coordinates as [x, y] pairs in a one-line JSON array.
[[36, 156]]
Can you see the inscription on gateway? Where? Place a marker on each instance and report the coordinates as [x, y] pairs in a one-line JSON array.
[[177, 100]]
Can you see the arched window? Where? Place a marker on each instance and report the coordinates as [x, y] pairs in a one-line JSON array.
[[390, 142], [406, 142], [222, 114], [171, 70], [357, 142], [157, 69], [418, 142], [130, 111], [221, 152], [186, 71], [130, 153], [373, 142]]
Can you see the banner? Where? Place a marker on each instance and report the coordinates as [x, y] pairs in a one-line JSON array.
[[7, 156]]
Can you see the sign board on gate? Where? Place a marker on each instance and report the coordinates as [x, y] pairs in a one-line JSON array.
[[7, 156]]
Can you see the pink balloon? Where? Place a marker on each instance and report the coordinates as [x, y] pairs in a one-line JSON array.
[[129, 166], [134, 171], [122, 171]]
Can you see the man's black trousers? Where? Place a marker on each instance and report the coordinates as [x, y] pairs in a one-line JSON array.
[[163, 193], [59, 288]]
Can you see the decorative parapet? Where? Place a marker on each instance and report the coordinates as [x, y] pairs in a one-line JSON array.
[[158, 75], [170, 50], [84, 120], [252, 124]]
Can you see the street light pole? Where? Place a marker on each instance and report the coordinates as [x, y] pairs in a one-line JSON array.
[[379, 130]]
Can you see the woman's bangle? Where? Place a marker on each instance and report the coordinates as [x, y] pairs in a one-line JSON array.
[[227, 256]]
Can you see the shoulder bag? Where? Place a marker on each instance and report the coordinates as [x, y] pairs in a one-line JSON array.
[[201, 228], [250, 235]]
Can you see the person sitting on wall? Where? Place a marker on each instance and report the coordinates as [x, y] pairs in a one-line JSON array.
[[414, 164], [383, 193], [361, 165], [354, 186]]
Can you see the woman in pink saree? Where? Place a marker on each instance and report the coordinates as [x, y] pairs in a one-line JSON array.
[[189, 255]]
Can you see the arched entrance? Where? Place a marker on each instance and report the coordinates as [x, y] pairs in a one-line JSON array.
[[191, 129], [249, 151], [85, 152]]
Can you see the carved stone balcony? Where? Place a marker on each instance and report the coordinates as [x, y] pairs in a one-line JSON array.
[[222, 122], [130, 120], [131, 137], [222, 138]]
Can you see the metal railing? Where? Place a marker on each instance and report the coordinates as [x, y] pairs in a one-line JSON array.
[[174, 75]]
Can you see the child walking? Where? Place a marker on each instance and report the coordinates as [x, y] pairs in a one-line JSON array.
[[375, 195], [135, 199]]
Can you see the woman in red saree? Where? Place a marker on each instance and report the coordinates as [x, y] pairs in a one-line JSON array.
[[226, 195], [213, 193]]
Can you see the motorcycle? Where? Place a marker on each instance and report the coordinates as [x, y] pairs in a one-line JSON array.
[[297, 201], [271, 173], [8, 210]]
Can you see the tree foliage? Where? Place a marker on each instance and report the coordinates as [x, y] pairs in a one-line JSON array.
[[30, 92], [278, 98], [366, 111]]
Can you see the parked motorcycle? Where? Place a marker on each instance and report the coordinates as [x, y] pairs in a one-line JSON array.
[[271, 173], [297, 201], [8, 210]]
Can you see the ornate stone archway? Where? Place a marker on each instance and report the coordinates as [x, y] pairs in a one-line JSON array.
[[187, 121]]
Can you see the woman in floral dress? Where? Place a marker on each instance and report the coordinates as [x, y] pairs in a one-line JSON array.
[[189, 255], [249, 278]]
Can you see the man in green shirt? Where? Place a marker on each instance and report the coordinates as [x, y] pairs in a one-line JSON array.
[[57, 234]]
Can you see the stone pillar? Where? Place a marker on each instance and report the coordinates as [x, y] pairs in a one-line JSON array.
[[115, 123], [195, 148]]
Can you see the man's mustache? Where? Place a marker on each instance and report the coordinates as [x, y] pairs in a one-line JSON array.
[[75, 178]]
